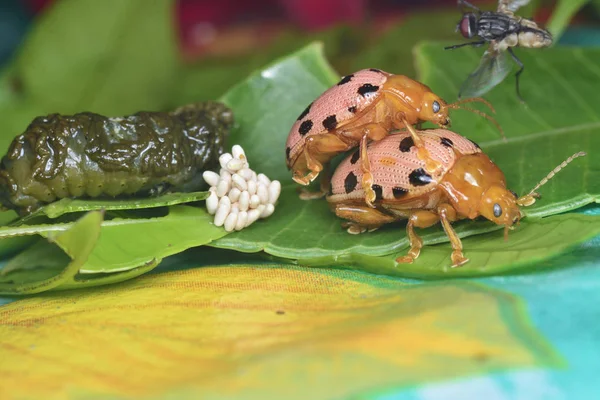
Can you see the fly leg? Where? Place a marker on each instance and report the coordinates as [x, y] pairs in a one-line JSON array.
[[419, 219], [372, 131], [448, 214], [521, 68], [456, 46], [361, 219], [466, 3]]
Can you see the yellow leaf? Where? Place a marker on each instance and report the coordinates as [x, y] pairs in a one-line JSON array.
[[258, 332]]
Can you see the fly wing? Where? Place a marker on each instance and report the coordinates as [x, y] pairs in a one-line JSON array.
[[493, 68], [511, 5]]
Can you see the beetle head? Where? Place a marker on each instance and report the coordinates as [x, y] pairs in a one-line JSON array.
[[499, 205], [434, 109]]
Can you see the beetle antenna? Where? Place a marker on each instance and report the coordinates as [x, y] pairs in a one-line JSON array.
[[530, 197], [484, 115], [472, 100]]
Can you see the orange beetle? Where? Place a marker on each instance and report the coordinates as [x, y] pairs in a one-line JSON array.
[[467, 185], [363, 106]]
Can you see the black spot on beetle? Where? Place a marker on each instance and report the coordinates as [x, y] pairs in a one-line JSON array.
[[279, 312], [475, 144], [355, 157], [305, 112], [406, 144], [352, 109], [375, 70], [305, 127], [345, 80], [330, 122], [287, 152], [399, 192], [378, 191], [419, 177], [350, 182], [367, 88], [447, 142]]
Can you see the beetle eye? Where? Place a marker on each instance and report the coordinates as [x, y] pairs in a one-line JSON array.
[[436, 106], [497, 210]]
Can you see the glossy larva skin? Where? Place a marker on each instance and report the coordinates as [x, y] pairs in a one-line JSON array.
[[398, 172], [367, 97], [88, 155]]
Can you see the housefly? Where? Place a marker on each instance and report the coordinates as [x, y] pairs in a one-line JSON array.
[[503, 30]]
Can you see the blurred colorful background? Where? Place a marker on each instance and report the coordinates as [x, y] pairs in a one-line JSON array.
[[242, 328]]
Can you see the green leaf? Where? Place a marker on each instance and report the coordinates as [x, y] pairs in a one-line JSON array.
[[130, 243], [65, 206], [540, 138], [532, 242], [561, 16], [77, 241], [112, 57], [300, 229], [267, 103], [126, 247]]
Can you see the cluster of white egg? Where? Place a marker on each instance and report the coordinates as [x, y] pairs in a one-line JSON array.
[[238, 196]]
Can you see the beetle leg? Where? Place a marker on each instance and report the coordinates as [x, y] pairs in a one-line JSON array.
[[362, 218], [316, 145], [448, 214], [432, 166], [419, 219], [306, 194], [367, 178], [364, 133]]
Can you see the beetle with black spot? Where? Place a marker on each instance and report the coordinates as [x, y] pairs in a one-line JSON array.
[[362, 107], [468, 186]]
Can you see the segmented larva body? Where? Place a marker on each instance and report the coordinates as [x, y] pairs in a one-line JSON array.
[[87, 155]]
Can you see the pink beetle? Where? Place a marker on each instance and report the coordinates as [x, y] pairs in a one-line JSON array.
[[467, 185], [363, 106]]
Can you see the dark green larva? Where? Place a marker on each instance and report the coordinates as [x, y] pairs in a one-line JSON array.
[[87, 155]]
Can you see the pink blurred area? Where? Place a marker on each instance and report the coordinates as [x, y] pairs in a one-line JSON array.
[[209, 27]]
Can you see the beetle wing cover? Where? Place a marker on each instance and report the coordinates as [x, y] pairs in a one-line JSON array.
[[396, 167], [336, 106]]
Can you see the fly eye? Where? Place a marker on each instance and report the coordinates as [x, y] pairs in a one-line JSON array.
[[468, 25], [436, 107], [497, 210]]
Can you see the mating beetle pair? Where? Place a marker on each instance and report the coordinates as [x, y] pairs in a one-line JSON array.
[[426, 176]]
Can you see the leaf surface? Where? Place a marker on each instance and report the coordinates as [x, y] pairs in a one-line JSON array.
[[267, 103], [539, 139], [531, 242], [77, 242], [65, 206], [193, 331], [127, 247]]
